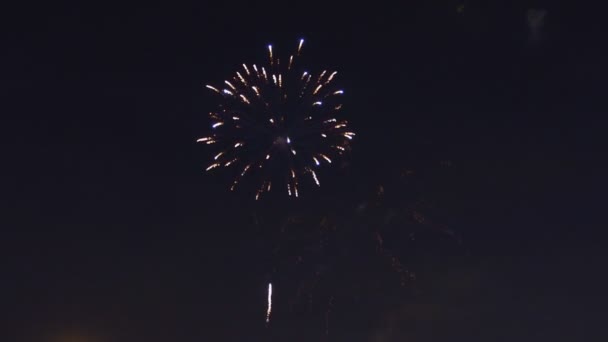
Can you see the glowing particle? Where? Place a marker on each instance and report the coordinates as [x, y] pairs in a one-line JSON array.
[[244, 98], [316, 161], [238, 74], [245, 170], [317, 89], [300, 45], [325, 157], [213, 88], [331, 77], [255, 89], [212, 166], [227, 92], [218, 155], [217, 124], [318, 103], [314, 176], [270, 52], [230, 85], [337, 92]]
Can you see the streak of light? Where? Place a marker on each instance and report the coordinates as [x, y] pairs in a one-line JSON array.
[[244, 99], [300, 45], [270, 53], [213, 88], [314, 176], [230, 85]]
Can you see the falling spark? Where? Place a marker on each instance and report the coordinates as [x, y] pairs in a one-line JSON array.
[[316, 161], [228, 92], [213, 88], [255, 89], [326, 158], [241, 78], [300, 45], [330, 120], [218, 155], [270, 53], [212, 166], [246, 69], [314, 176], [245, 170], [235, 118], [230, 85], [317, 89], [244, 99], [331, 77], [217, 124], [337, 92], [264, 73], [318, 103], [321, 76], [238, 145]]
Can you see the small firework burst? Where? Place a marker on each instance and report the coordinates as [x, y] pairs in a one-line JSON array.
[[277, 124]]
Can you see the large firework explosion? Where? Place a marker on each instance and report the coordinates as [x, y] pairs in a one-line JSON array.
[[278, 123]]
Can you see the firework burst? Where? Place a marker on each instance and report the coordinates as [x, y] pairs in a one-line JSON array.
[[277, 125]]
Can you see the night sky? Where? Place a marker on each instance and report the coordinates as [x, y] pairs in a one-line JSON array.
[[112, 231]]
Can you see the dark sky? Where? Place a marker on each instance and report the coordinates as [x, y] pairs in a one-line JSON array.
[[112, 232]]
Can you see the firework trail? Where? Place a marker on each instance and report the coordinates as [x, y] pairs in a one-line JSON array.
[[277, 123], [269, 309]]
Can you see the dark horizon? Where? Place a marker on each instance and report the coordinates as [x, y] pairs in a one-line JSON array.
[[114, 232]]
